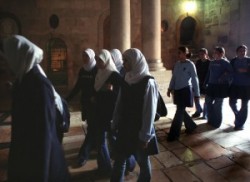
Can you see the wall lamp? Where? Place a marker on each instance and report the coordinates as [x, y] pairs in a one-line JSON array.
[[189, 7]]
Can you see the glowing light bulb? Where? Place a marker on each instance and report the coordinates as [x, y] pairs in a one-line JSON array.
[[189, 7]]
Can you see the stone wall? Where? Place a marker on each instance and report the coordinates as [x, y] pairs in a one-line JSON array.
[[173, 12], [226, 24], [81, 25], [78, 25]]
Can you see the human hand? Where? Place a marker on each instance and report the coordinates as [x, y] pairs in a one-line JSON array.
[[169, 93], [109, 87]]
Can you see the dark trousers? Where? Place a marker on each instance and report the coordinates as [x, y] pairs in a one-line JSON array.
[[89, 143], [181, 115], [214, 111], [103, 156], [241, 113], [120, 164]]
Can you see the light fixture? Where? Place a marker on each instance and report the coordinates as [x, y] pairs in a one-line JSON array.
[[189, 6]]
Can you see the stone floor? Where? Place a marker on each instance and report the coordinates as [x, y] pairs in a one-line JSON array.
[[207, 155]]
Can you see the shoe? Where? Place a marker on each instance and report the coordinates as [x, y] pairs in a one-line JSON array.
[[103, 172], [204, 117], [81, 162], [190, 131], [238, 128], [171, 139], [196, 115]]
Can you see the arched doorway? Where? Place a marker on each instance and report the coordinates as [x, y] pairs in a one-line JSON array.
[[187, 31]]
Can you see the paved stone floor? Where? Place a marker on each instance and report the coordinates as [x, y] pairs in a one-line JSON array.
[[207, 155]]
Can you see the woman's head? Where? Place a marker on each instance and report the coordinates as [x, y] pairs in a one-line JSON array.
[[22, 55], [104, 60], [105, 67], [88, 58], [184, 53], [219, 53], [117, 58], [134, 60], [135, 65]]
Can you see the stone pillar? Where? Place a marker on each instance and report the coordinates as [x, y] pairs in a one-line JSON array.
[[120, 24], [151, 33]]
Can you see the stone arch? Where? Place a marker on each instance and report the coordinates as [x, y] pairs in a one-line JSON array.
[[187, 31], [195, 40], [104, 29]]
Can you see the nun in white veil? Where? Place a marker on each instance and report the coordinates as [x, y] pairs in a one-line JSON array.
[[85, 85], [117, 58], [134, 117], [35, 151], [107, 84]]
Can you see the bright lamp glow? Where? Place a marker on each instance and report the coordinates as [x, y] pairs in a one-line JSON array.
[[189, 6]]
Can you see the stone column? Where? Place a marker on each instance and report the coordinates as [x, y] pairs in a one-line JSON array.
[[120, 24], [151, 33]]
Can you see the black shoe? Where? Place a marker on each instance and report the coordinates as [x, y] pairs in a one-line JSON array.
[[103, 172], [190, 131], [238, 128], [81, 162], [204, 117], [171, 139], [196, 115]]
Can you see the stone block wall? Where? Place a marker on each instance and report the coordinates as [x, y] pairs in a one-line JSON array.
[[81, 24], [226, 24]]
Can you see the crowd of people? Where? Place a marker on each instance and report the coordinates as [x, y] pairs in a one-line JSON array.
[[119, 87], [214, 79], [108, 81]]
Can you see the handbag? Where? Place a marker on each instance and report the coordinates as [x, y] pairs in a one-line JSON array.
[[161, 110]]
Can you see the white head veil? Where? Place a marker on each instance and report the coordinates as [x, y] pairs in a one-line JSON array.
[[138, 63], [22, 55], [103, 74], [117, 58], [92, 62]]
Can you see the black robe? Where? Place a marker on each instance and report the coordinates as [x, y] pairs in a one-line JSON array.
[[35, 151]]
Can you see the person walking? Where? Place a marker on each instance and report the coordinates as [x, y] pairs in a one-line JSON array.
[[35, 151], [134, 117], [201, 65], [240, 87], [107, 84], [183, 84], [85, 85], [117, 58], [218, 80]]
